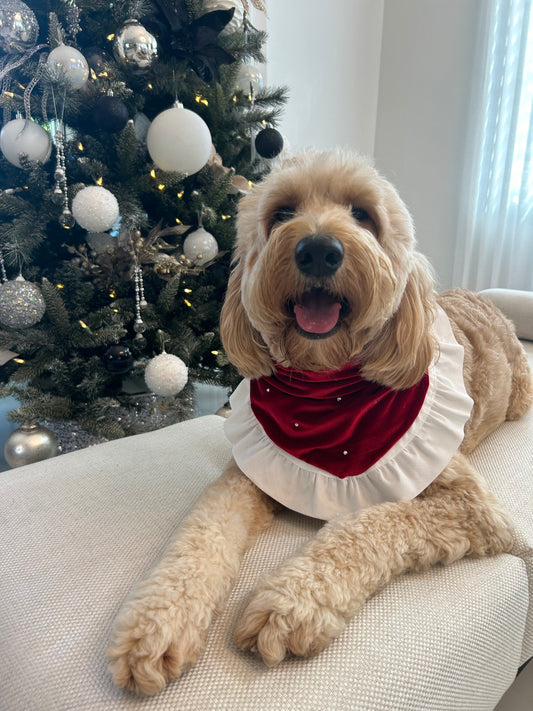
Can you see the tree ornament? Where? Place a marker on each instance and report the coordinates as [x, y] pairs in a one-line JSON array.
[[30, 443], [21, 303], [179, 140], [95, 209], [110, 114], [134, 45], [118, 359], [68, 62], [269, 143], [19, 28], [166, 374], [200, 247], [25, 137], [96, 58], [235, 22], [138, 325], [249, 80]]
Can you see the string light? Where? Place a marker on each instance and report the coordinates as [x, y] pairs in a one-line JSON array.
[[19, 360], [100, 181], [180, 194], [60, 286], [161, 186], [110, 37], [187, 302], [152, 173], [82, 324], [80, 146]]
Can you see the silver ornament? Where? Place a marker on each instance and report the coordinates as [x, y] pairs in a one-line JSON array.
[[30, 443], [134, 45], [21, 303], [19, 28]]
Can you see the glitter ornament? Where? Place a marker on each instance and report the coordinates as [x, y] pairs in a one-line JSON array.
[[21, 303], [25, 137], [179, 140], [200, 246], [30, 443], [166, 374], [68, 62], [134, 45], [95, 209], [19, 29]]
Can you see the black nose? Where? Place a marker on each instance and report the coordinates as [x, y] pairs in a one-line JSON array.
[[318, 255]]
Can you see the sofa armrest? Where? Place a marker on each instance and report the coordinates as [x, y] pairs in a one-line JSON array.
[[517, 306]]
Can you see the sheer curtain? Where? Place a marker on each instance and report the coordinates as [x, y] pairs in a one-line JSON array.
[[495, 238]]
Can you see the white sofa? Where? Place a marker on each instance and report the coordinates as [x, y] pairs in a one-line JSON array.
[[77, 532]]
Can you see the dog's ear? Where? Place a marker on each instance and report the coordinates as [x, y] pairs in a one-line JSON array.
[[243, 344], [403, 351]]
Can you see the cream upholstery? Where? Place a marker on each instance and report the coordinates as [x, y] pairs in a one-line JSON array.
[[77, 532]]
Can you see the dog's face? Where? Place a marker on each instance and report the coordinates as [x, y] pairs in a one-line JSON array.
[[325, 254]]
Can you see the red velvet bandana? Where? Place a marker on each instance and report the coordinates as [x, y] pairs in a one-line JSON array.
[[336, 421]]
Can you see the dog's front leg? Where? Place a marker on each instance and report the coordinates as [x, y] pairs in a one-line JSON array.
[[302, 606], [161, 630]]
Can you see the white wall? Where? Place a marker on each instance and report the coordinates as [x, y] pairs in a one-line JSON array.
[[389, 78], [328, 54], [425, 77]]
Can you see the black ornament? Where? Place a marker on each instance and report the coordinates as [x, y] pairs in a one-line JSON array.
[[269, 143], [96, 58], [195, 42], [110, 114], [118, 359]]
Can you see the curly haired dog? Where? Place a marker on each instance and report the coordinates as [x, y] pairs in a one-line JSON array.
[[356, 407]]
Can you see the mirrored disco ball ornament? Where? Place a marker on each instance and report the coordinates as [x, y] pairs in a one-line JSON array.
[[68, 62], [30, 443], [24, 137], [134, 45], [95, 209], [18, 27], [200, 246], [21, 303], [166, 375], [179, 140]]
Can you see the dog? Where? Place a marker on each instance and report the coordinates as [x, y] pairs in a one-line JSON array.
[[330, 306]]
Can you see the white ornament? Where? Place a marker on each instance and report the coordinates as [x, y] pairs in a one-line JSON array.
[[95, 209], [235, 22], [179, 140], [166, 374], [200, 246], [249, 79], [69, 62], [25, 137]]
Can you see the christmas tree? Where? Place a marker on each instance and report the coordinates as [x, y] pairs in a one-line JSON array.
[[128, 136]]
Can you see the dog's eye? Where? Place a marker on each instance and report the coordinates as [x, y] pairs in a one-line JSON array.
[[359, 214], [283, 214]]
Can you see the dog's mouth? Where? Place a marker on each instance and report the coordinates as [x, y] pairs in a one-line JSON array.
[[318, 313]]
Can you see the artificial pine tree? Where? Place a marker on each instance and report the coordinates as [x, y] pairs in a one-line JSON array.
[[121, 226]]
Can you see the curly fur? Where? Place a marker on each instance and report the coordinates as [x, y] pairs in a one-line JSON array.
[[388, 287]]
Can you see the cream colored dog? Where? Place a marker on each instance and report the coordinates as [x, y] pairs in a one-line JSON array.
[[327, 279]]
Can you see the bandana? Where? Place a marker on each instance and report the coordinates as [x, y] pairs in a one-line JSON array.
[[336, 420], [326, 444]]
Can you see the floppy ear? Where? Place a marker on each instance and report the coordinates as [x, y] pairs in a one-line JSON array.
[[243, 344], [403, 351]]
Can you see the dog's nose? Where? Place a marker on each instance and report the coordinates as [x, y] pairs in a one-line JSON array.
[[318, 255]]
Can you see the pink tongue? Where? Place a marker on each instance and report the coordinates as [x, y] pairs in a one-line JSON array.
[[318, 312]]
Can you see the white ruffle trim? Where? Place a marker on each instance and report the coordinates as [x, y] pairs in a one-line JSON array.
[[416, 460]]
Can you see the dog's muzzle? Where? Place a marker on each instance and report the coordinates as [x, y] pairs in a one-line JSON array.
[[318, 312]]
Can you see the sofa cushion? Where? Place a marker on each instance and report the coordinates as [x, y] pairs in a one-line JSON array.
[[78, 531]]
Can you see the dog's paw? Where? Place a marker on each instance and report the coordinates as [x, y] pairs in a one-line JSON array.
[[154, 641], [277, 624]]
